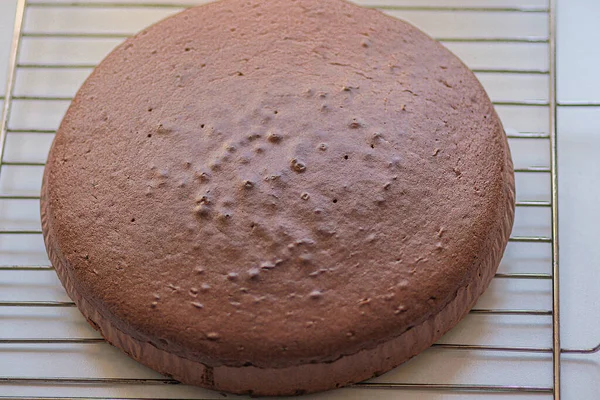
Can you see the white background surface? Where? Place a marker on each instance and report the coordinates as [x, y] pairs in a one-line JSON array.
[[579, 168]]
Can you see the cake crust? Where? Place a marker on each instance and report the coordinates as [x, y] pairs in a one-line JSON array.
[[277, 196]]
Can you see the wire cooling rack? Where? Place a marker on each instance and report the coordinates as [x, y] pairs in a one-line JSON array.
[[509, 345]]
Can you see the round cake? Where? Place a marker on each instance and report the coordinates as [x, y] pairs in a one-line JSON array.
[[277, 197]]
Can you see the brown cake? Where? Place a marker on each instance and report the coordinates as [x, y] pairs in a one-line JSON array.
[[277, 197]]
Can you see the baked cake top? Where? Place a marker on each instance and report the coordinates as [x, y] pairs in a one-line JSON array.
[[276, 182]]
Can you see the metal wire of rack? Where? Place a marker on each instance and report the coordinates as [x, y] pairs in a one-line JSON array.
[[547, 172]]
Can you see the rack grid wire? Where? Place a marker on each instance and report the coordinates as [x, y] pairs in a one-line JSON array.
[[547, 172]]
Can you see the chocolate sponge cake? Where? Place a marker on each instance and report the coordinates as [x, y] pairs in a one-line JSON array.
[[277, 197]]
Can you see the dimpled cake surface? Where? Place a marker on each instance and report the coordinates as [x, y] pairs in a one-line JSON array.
[[277, 197]]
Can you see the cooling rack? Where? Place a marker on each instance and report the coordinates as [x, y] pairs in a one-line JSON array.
[[509, 345]]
